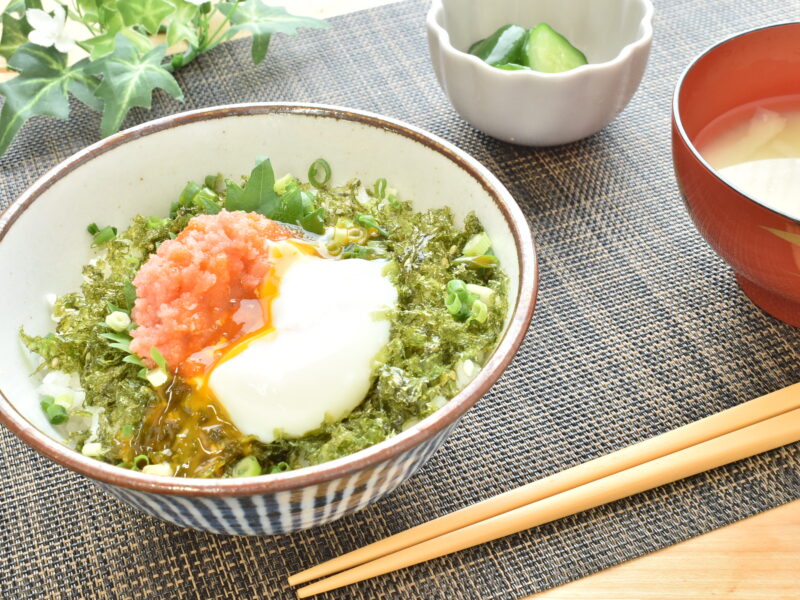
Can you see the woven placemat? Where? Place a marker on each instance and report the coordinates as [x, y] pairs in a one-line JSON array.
[[639, 328]]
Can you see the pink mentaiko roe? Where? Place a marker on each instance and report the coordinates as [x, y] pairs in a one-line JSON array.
[[190, 287]]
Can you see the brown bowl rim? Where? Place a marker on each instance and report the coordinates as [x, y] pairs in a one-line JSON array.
[[678, 123], [307, 476]]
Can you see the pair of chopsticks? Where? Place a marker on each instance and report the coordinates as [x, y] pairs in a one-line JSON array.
[[751, 428]]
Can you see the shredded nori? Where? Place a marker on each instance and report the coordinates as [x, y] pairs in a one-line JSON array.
[[414, 375]]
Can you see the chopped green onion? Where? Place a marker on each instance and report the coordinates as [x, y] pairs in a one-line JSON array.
[[459, 301], [318, 164], [215, 182], [478, 312], [484, 294], [247, 467], [369, 222], [380, 188], [155, 222], [92, 449], [102, 236], [56, 413], [453, 304], [206, 200], [357, 235], [280, 467], [126, 432], [281, 184], [118, 320], [190, 190], [371, 251], [140, 462], [64, 400], [133, 360], [156, 377], [159, 359], [161, 469], [346, 232], [486, 261], [120, 341], [477, 245]]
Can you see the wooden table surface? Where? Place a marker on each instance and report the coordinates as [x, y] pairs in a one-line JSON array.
[[750, 560], [757, 558]]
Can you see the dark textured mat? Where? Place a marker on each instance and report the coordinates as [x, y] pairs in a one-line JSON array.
[[639, 328]]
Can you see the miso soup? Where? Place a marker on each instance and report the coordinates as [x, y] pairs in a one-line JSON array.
[[756, 148]]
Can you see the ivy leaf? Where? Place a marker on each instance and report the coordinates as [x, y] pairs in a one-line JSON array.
[[129, 79], [103, 45], [104, 13], [262, 21], [41, 88], [15, 34], [84, 86], [89, 10], [140, 41], [181, 27], [17, 6], [108, 17], [100, 45], [147, 13]]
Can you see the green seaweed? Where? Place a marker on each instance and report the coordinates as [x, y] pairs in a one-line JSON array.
[[414, 375]]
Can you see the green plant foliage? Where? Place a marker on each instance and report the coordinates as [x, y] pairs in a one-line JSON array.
[[15, 34], [262, 21], [129, 80], [41, 88], [125, 65]]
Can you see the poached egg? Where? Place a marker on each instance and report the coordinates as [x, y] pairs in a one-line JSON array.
[[325, 321]]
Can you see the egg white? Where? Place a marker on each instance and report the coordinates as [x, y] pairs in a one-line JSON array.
[[316, 362]]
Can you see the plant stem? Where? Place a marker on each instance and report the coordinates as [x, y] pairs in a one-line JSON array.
[[213, 41]]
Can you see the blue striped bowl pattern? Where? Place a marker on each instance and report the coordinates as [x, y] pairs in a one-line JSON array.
[[284, 511]]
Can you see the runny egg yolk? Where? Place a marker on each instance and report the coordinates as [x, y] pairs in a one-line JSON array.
[[252, 318], [188, 425]]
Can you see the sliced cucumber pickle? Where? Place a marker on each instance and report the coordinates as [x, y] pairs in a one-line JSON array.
[[502, 47], [513, 67], [548, 51]]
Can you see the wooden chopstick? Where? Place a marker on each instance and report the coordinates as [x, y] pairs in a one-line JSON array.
[[732, 419], [730, 447]]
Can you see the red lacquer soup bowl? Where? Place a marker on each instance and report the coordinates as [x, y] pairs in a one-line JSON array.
[[762, 245]]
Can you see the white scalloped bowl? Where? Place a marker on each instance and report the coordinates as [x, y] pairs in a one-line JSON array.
[[542, 109]]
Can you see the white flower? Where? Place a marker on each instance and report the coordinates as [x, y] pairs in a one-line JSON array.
[[48, 30]]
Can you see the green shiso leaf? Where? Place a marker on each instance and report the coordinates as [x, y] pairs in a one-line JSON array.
[[295, 206], [259, 194]]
